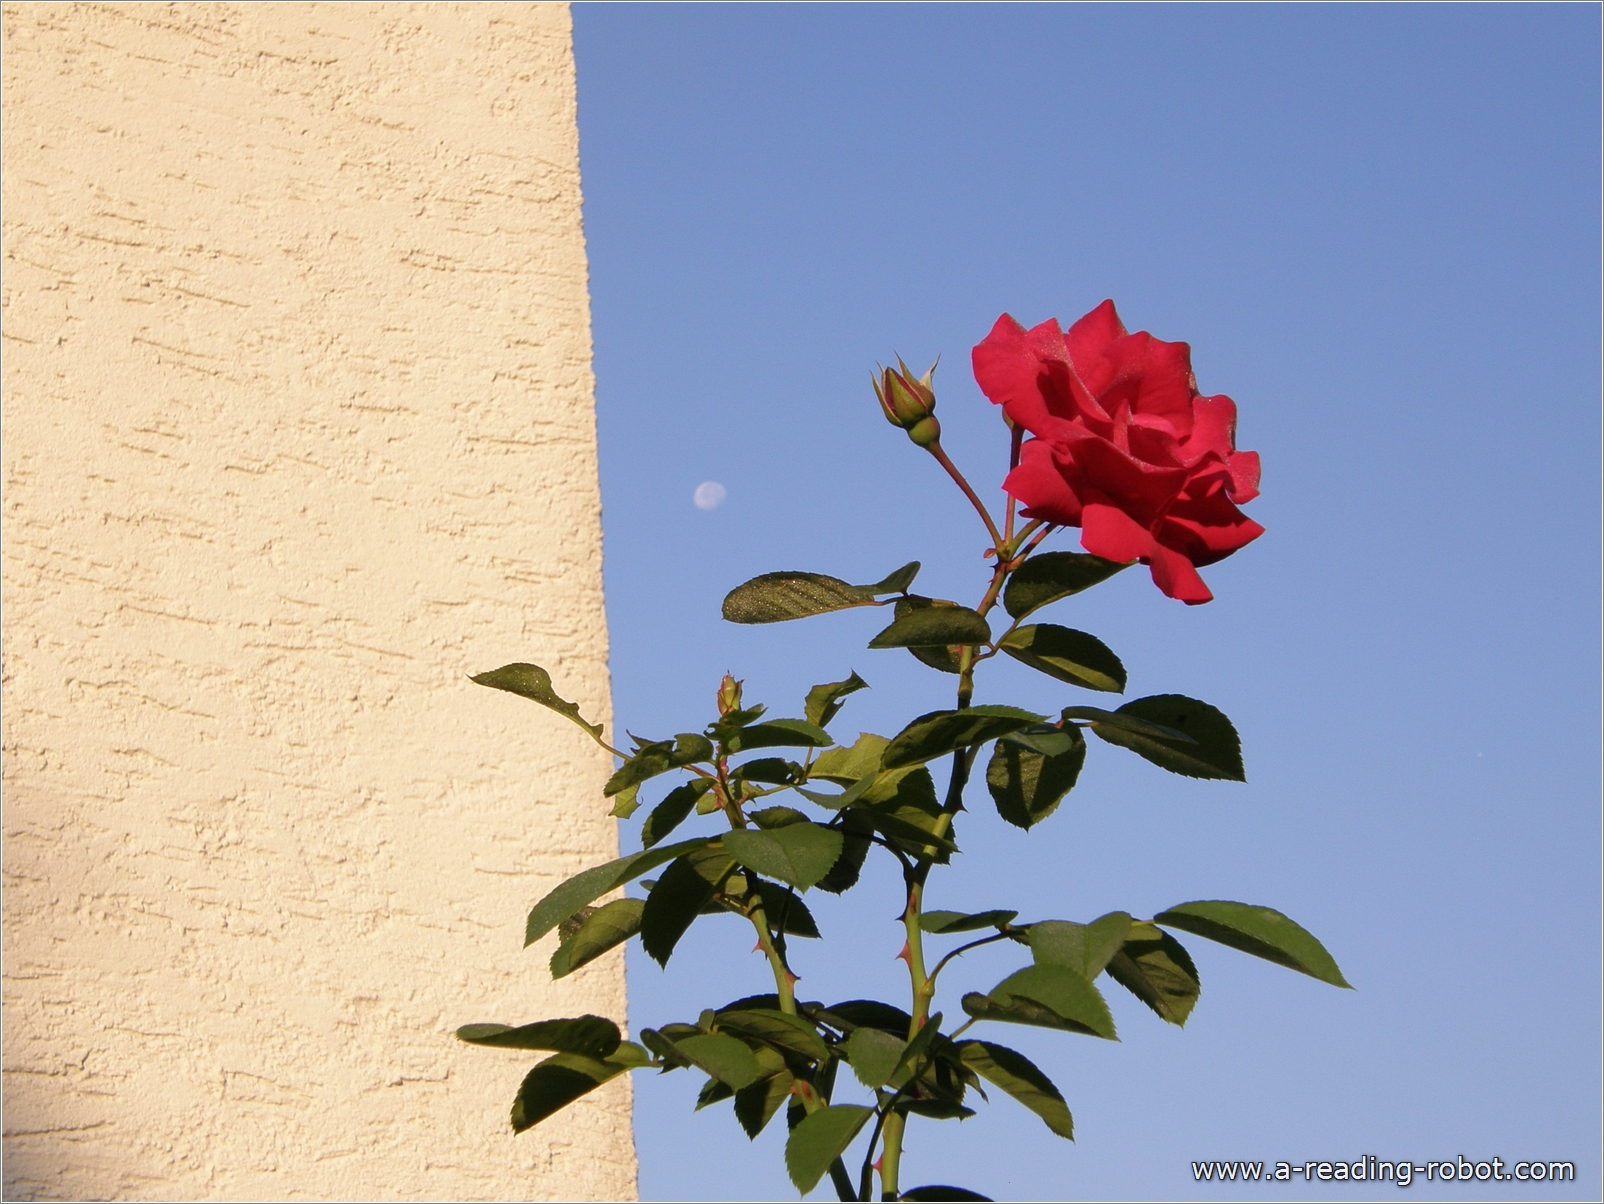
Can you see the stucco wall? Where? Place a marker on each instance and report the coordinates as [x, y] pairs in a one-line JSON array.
[[298, 431]]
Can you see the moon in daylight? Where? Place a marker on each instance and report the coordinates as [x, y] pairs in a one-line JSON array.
[[709, 495]]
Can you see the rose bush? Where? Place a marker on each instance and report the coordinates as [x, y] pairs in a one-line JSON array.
[[1124, 447]]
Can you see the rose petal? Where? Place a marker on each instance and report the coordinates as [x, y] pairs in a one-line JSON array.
[[1006, 369], [1039, 482], [1213, 429], [1109, 532], [1175, 575], [1143, 489], [1244, 468], [1086, 342]]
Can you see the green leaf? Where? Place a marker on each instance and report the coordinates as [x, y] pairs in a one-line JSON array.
[[1211, 749], [1154, 967], [946, 922], [625, 804], [1261, 931], [869, 1013], [783, 1031], [1026, 786], [685, 888], [777, 597], [916, 1049], [606, 926], [556, 1083], [658, 757], [533, 682], [875, 1055], [910, 829], [845, 766], [725, 1058], [824, 701], [1048, 739], [756, 1105], [800, 854], [713, 1091], [1084, 948], [1018, 1076], [843, 875], [1049, 996], [594, 883], [779, 733], [785, 911], [940, 1191], [941, 732], [664, 1048], [1049, 576], [593, 1036], [772, 771], [819, 1140], [776, 817], [673, 810], [1068, 655], [897, 582], [941, 626]]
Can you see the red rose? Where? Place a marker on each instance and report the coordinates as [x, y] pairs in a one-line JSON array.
[[1125, 448]]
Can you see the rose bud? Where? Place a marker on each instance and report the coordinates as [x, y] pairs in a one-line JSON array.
[[909, 403], [729, 695]]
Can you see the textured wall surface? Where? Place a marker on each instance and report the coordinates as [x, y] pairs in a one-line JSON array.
[[298, 431]]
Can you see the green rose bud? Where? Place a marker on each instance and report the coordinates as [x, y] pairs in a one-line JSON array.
[[729, 695], [908, 402]]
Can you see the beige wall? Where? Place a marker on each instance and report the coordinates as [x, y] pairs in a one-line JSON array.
[[298, 431]]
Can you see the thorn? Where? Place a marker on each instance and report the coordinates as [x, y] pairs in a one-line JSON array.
[[793, 979], [877, 1163], [758, 948], [906, 955]]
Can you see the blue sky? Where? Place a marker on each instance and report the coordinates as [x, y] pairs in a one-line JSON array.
[[1378, 228]]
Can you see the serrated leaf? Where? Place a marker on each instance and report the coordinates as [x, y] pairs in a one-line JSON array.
[[592, 1036], [779, 1029], [819, 1140], [776, 817], [713, 1091], [1084, 948], [869, 1013], [786, 912], [656, 757], [1048, 739], [1212, 748], [938, 626], [843, 875], [626, 803], [944, 923], [875, 1055], [756, 1105], [591, 885], [1068, 655], [846, 765], [771, 771], [681, 894], [908, 1062], [534, 683], [1019, 1077], [823, 702], [1154, 967], [1047, 996], [941, 732], [1049, 576], [607, 926], [779, 733], [724, 1057], [1261, 931], [673, 810], [1027, 786], [556, 1083], [778, 597], [800, 854]]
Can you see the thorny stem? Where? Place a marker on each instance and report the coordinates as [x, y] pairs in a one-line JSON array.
[[935, 450]]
